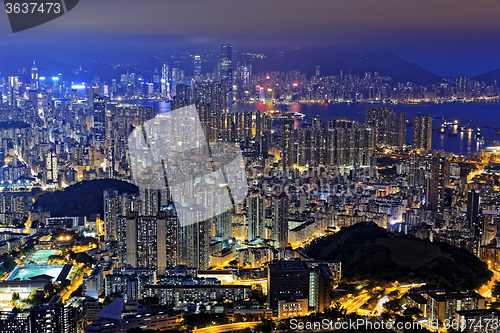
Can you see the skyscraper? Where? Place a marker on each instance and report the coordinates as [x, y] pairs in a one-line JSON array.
[[165, 85], [149, 201], [99, 107], [194, 240], [438, 179], [279, 207], [302, 144], [174, 80], [256, 217], [422, 131], [348, 142], [148, 241], [197, 68], [226, 75], [52, 167], [91, 92], [413, 174], [287, 143], [112, 210], [34, 77], [473, 214], [248, 127], [13, 93], [316, 144]]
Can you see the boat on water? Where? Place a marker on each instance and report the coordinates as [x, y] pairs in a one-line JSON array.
[[496, 128], [486, 126], [470, 129], [295, 115], [480, 138], [452, 134], [498, 133]]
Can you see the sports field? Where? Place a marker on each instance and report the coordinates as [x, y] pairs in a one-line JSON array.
[[41, 256], [26, 273]]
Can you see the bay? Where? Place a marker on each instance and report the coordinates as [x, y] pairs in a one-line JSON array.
[[475, 114]]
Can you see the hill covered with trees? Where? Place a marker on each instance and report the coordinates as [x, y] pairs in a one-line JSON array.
[[82, 199], [370, 252]]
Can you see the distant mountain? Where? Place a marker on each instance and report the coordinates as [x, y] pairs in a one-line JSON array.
[[332, 61], [45, 65], [489, 77], [370, 252]]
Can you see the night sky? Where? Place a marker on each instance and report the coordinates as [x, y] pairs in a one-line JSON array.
[[447, 37]]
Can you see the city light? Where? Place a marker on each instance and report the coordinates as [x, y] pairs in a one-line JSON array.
[[145, 186]]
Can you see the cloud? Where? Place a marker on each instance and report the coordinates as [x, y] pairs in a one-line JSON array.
[[224, 17]]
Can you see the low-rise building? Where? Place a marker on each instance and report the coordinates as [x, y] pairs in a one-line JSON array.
[[194, 294], [298, 306], [478, 321]]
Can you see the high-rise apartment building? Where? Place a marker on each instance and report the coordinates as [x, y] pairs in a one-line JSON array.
[[474, 218], [279, 212], [389, 127], [256, 215], [437, 180], [348, 143], [287, 143], [148, 241], [52, 168], [194, 240], [422, 131]]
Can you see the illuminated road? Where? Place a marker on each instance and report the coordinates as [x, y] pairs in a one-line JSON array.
[[377, 311], [352, 305], [76, 283], [227, 328], [485, 291], [261, 282]]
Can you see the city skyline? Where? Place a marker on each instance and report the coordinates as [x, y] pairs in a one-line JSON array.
[[259, 166]]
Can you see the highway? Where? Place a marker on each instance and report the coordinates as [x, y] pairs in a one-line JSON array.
[[353, 304], [485, 290], [377, 311], [227, 327]]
